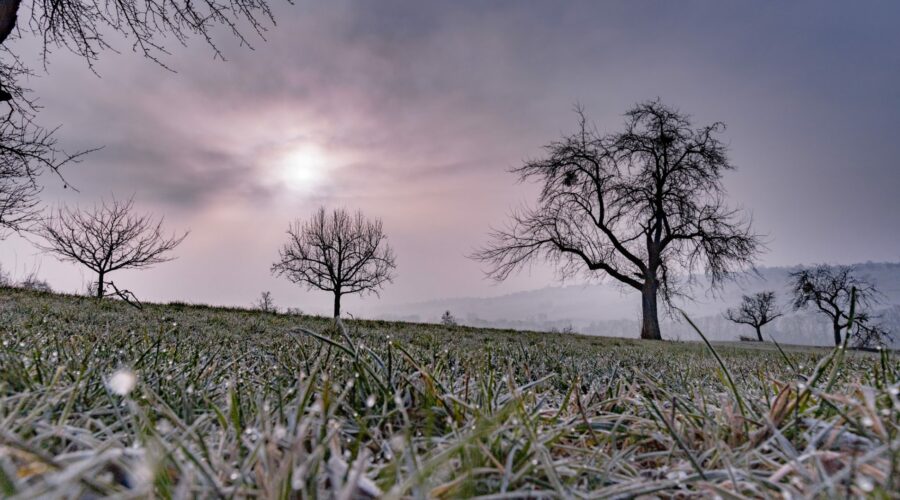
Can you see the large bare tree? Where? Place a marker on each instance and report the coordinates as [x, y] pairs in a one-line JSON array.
[[756, 310], [337, 252], [86, 28], [108, 238], [829, 290], [645, 206]]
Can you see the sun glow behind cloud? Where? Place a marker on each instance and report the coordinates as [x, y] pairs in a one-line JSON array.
[[302, 168]]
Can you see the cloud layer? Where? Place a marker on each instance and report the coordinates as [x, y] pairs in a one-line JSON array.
[[416, 110]]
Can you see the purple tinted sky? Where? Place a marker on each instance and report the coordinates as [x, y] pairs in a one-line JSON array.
[[415, 111]]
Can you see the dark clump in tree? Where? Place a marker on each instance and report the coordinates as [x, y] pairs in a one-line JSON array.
[[107, 238], [755, 310], [643, 206], [831, 290], [339, 253]]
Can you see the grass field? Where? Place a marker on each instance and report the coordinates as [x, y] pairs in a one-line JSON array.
[[232, 403]]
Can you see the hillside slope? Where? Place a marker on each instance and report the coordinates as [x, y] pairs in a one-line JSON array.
[[101, 400], [608, 309]]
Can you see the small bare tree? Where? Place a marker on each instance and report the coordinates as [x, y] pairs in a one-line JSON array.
[[829, 290], [266, 303], [107, 238], [339, 253], [644, 206], [447, 319], [755, 310]]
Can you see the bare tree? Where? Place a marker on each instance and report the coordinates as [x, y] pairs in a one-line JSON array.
[[644, 206], [266, 303], [829, 289], [755, 310], [84, 27], [339, 253], [447, 319], [107, 238], [26, 152], [869, 335]]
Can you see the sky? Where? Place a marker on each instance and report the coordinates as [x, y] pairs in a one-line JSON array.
[[414, 112]]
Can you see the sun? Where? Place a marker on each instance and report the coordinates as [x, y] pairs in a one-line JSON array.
[[303, 167]]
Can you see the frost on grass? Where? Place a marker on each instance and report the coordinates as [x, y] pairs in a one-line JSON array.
[[238, 404]]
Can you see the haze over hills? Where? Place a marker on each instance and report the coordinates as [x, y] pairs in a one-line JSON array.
[[609, 309]]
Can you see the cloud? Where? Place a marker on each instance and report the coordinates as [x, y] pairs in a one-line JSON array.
[[420, 108]]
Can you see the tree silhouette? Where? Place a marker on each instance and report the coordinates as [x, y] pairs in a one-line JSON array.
[[266, 303], [339, 253], [107, 238], [755, 310], [828, 289], [26, 152], [84, 27], [643, 206], [447, 319]]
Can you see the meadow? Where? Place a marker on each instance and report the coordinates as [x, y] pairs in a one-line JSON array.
[[98, 398]]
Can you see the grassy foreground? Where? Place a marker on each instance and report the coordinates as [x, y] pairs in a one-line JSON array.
[[231, 403]]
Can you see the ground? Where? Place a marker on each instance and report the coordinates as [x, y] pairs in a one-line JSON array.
[[99, 398]]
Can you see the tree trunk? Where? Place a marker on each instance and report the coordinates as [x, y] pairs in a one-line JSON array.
[[99, 285], [8, 15], [337, 305], [759, 333], [837, 334], [650, 322]]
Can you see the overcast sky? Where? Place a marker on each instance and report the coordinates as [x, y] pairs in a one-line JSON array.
[[415, 111]]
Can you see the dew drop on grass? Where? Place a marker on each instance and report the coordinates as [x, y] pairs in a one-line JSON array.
[[298, 478], [865, 484], [163, 426], [370, 401], [251, 433], [397, 443], [122, 381]]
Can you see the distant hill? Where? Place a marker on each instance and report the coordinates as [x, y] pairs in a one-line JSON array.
[[611, 310]]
